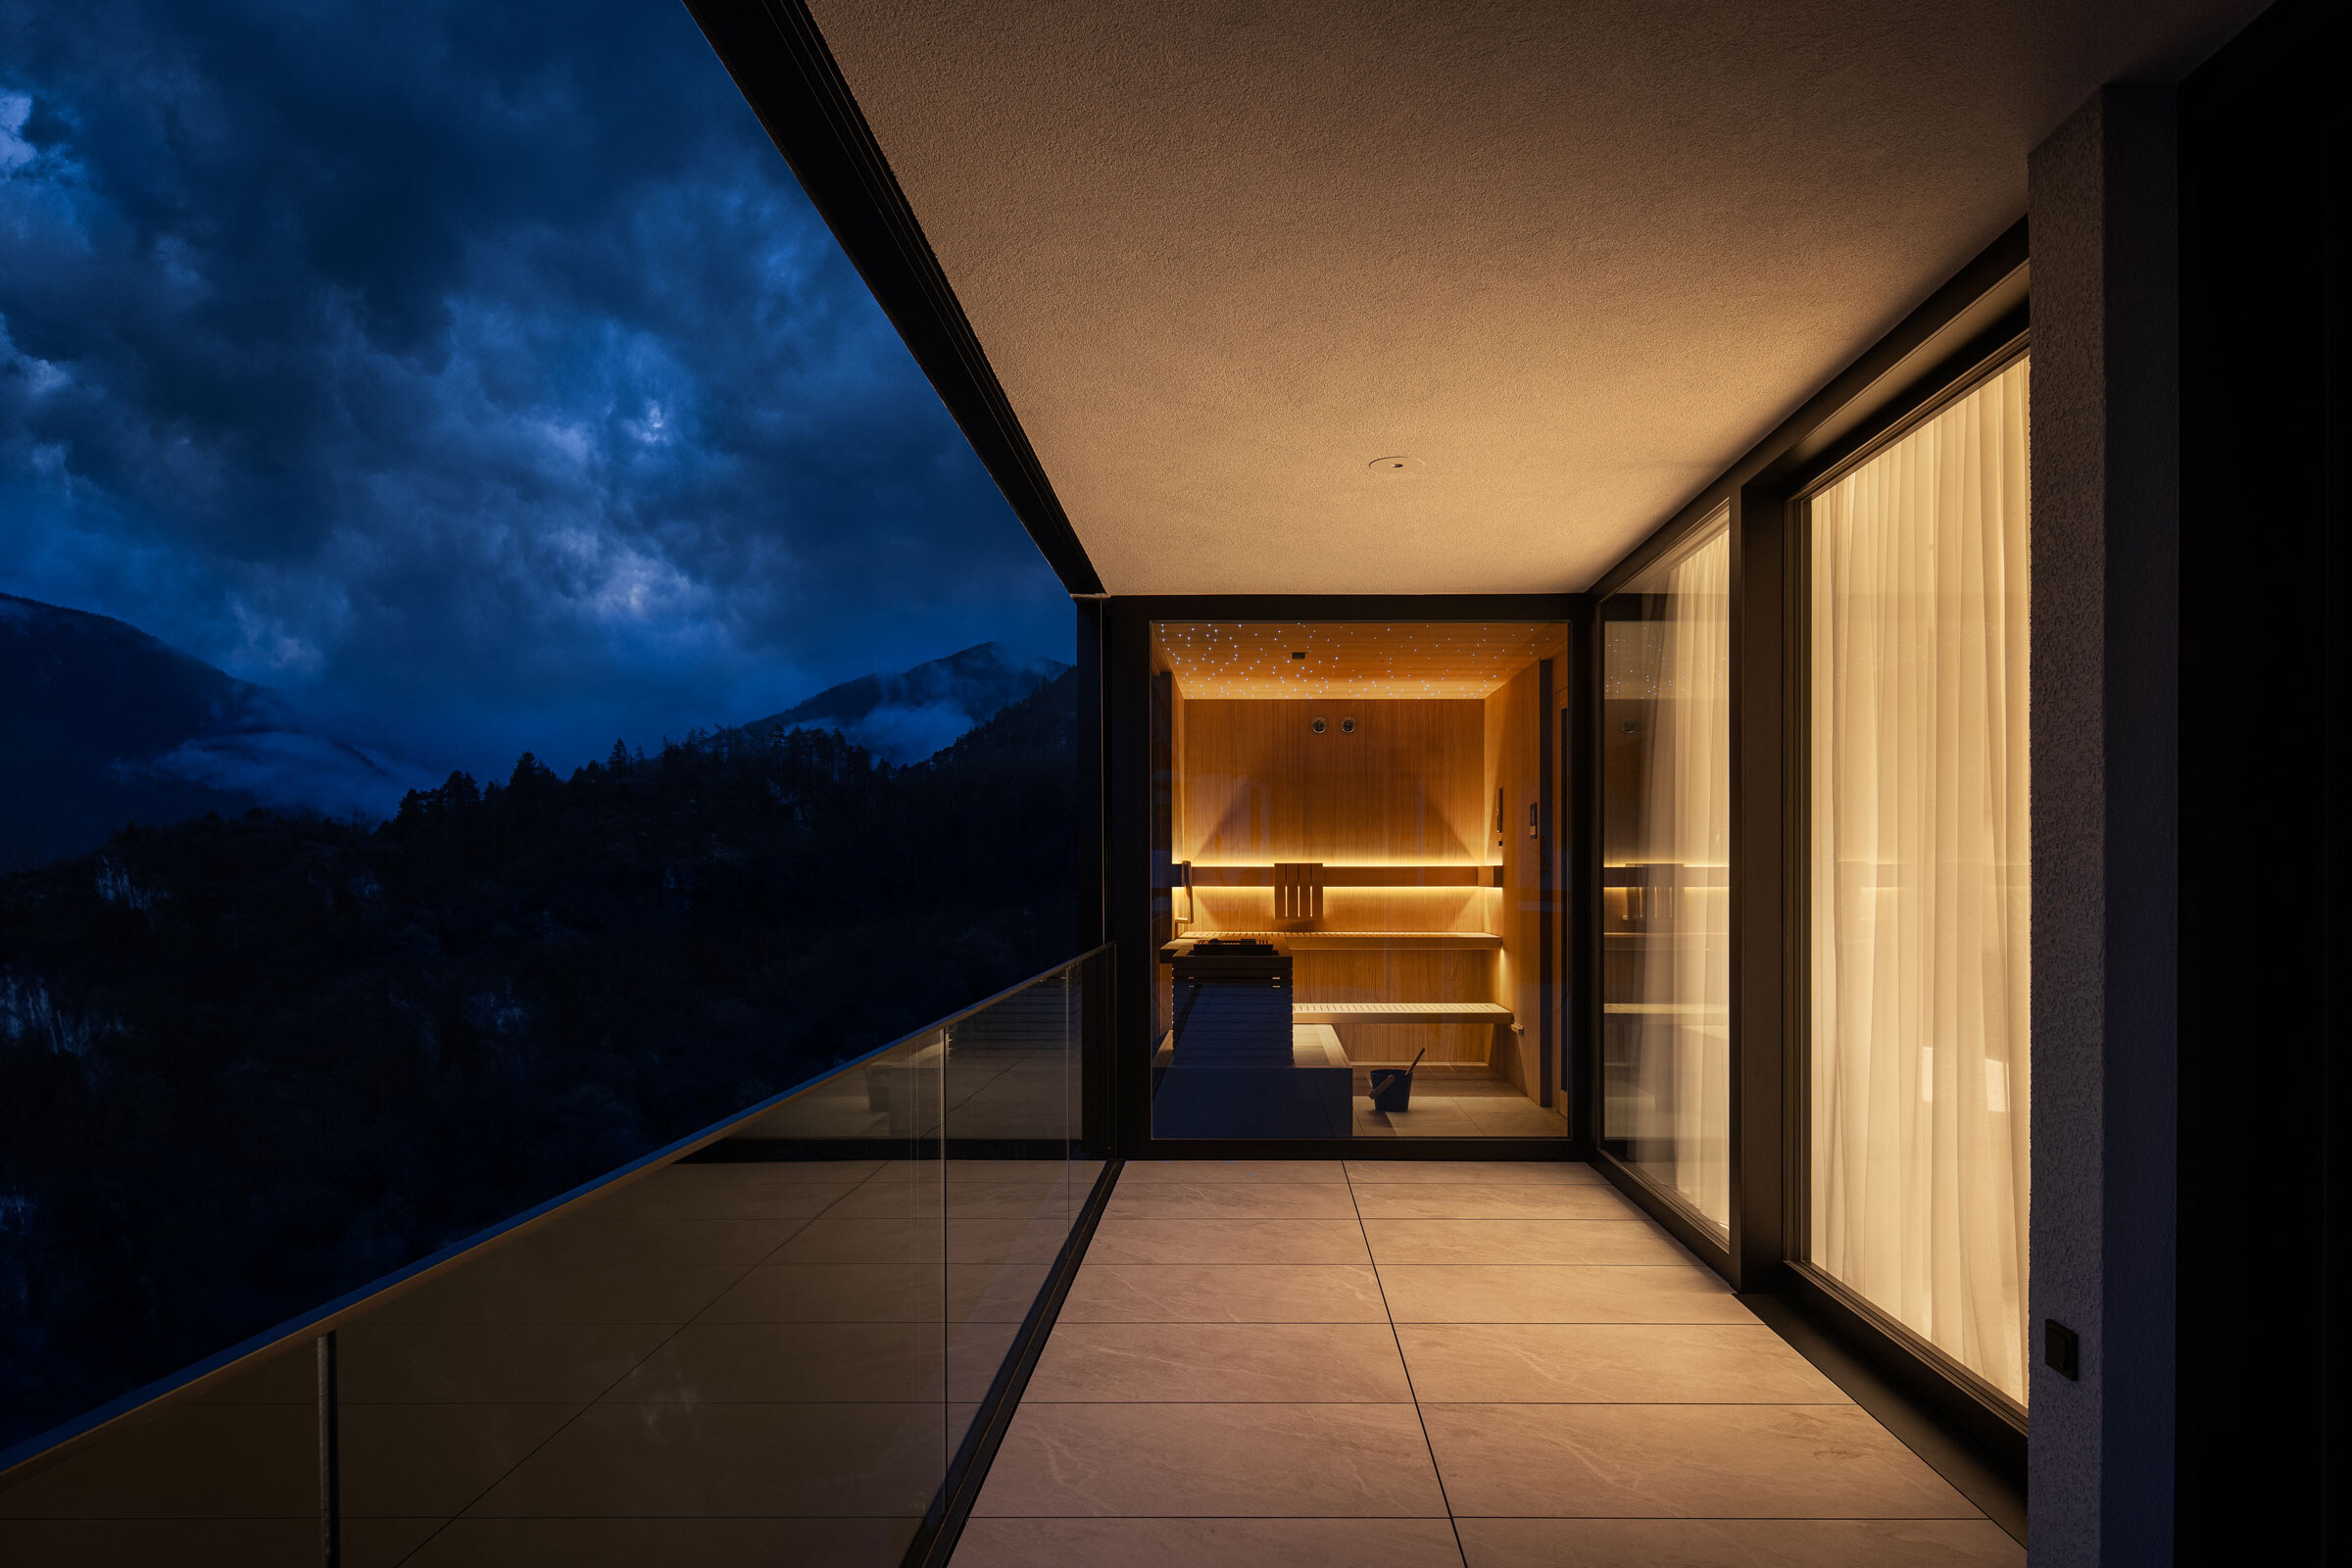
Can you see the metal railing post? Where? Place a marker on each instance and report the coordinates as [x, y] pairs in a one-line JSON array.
[[330, 1456]]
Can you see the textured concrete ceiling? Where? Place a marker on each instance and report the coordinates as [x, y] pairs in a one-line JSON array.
[[1575, 259]]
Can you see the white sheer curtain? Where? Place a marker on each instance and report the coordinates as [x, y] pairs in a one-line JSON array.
[[1683, 1050], [1919, 880]]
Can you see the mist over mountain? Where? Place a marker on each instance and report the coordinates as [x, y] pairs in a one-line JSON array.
[[907, 717], [105, 726]]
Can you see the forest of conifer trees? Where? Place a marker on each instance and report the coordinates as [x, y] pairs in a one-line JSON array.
[[249, 1063]]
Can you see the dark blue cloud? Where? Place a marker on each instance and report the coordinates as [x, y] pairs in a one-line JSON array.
[[474, 375]]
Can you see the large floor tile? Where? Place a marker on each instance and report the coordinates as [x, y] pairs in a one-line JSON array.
[[836, 1293], [1221, 1361], [1196, 1171], [1190, 1542], [1520, 1241], [1232, 1200], [1737, 1544], [190, 1461], [1223, 1292], [728, 1191], [1036, 1240], [1759, 1461], [960, 1199], [431, 1460], [773, 1363], [1639, 1364], [1430, 1117], [181, 1543], [639, 1542], [382, 1542], [832, 1239], [488, 1363], [1522, 1120], [720, 1460], [502, 1289], [1478, 1172], [1470, 1293], [998, 1172], [881, 1293], [657, 1243], [961, 1240], [1228, 1241], [1474, 1201], [995, 1292], [1212, 1461], [820, 1172]]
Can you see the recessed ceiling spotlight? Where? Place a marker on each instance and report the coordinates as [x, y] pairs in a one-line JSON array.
[[1395, 467]]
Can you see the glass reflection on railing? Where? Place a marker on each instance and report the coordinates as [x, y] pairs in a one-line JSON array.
[[227, 1475], [774, 1349]]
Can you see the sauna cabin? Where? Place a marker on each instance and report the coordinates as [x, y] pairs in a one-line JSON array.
[[1371, 805]]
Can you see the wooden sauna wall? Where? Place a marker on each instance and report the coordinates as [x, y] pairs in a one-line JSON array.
[[1260, 786], [1513, 736], [1401, 789]]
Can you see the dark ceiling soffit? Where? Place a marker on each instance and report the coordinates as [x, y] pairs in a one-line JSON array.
[[1964, 315], [778, 58]]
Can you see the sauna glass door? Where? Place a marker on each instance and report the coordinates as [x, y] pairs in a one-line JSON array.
[[1665, 872], [1354, 904]]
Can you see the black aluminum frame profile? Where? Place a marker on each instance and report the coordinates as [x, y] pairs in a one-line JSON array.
[[779, 60]]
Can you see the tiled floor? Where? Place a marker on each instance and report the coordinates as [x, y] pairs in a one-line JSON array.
[[1458, 1102], [1411, 1364]]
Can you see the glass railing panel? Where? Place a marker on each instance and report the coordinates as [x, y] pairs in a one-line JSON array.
[[227, 1475], [1012, 1194], [742, 1356], [771, 1351]]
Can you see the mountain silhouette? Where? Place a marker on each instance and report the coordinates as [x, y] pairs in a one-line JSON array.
[[907, 717], [106, 724]]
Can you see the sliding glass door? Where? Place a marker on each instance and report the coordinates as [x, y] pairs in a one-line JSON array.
[[1918, 887], [1665, 807]]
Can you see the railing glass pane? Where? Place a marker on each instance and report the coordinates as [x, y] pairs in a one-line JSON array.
[[1011, 1189], [744, 1353], [775, 1350], [779, 1347], [229, 1475]]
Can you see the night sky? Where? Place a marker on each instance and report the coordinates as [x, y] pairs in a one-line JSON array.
[[474, 375]]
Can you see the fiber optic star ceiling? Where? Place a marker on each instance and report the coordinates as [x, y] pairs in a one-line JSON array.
[[1213, 658], [1571, 260]]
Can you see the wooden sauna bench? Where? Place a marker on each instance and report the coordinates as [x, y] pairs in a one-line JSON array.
[[1326, 1014], [1400, 1013], [1338, 941]]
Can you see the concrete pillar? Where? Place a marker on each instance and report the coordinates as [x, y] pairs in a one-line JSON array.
[[2105, 756]]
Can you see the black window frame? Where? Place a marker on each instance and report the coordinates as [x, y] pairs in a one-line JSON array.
[[1116, 684], [1977, 323]]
